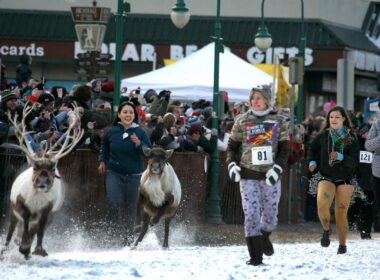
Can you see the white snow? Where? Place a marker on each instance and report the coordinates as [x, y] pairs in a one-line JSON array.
[[302, 260]]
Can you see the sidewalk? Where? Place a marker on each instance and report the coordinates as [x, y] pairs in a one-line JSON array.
[[214, 235]]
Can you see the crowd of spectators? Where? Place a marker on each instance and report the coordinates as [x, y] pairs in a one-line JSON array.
[[170, 124]]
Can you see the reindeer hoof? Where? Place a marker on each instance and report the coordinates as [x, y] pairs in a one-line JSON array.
[[3, 251], [40, 252], [25, 251]]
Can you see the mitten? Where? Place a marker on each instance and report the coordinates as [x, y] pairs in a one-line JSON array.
[[273, 175], [234, 171], [336, 156]]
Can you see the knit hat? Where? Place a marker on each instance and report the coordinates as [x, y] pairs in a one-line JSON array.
[[7, 95], [194, 120], [107, 87], [45, 98], [194, 128], [169, 120], [265, 91]]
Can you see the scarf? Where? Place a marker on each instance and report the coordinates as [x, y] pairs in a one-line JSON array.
[[339, 139], [262, 113]]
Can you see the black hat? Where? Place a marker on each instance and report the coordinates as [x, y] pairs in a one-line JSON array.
[[7, 95], [45, 98]]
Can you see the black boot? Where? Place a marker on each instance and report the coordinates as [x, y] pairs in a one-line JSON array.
[[255, 249], [325, 241], [267, 244], [342, 249]]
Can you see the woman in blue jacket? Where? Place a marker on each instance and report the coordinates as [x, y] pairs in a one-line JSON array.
[[121, 159]]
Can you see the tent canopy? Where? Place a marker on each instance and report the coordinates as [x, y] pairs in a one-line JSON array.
[[192, 77]]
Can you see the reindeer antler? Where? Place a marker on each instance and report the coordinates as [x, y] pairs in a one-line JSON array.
[[70, 138], [20, 130]]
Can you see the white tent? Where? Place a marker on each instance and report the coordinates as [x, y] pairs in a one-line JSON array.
[[192, 77]]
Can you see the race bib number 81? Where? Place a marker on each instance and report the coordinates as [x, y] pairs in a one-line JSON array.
[[365, 157], [262, 155]]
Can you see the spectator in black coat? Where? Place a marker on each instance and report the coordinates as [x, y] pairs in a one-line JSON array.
[[362, 213], [23, 71], [196, 142]]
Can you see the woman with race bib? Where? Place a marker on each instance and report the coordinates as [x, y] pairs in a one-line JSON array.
[[256, 156], [372, 144], [333, 158]]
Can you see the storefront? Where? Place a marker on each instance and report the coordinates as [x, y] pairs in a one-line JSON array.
[[49, 37]]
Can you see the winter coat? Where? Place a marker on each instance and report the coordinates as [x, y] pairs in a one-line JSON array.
[[251, 132], [320, 153], [119, 153], [372, 144], [23, 71]]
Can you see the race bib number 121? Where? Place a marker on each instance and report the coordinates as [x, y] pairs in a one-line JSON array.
[[365, 157], [262, 155]]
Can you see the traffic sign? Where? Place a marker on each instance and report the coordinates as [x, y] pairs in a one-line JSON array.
[[90, 36], [90, 14]]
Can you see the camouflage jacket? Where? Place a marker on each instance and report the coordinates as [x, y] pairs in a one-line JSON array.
[[253, 136]]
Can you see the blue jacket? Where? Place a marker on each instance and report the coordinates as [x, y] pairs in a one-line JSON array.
[[120, 154]]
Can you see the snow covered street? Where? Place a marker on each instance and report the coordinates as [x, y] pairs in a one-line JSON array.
[[299, 260]]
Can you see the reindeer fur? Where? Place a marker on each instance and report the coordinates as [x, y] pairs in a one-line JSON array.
[[37, 192], [32, 209], [160, 194]]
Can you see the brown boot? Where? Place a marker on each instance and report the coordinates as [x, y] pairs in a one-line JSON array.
[[255, 249], [267, 244]]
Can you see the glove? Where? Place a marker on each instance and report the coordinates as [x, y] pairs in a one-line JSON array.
[[336, 156], [273, 175], [214, 132], [234, 171]]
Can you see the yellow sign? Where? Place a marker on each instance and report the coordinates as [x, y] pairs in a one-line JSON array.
[[282, 85]]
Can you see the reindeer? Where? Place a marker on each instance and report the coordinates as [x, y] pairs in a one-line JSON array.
[[160, 191], [38, 192]]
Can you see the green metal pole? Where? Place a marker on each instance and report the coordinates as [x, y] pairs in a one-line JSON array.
[[301, 49], [213, 200], [119, 38]]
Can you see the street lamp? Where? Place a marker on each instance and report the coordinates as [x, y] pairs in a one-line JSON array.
[[213, 200], [263, 41], [180, 15]]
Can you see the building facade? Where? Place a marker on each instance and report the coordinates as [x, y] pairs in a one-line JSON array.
[[334, 29]]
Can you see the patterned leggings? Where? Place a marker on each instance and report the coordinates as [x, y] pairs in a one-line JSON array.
[[260, 206]]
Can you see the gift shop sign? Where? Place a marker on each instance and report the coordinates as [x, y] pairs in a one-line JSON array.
[[146, 52]]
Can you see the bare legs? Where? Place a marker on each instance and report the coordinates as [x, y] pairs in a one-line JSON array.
[[325, 197]]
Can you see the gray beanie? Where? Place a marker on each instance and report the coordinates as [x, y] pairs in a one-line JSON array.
[[7, 95], [265, 91]]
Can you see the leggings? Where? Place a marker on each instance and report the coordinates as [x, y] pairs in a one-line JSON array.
[[260, 206]]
